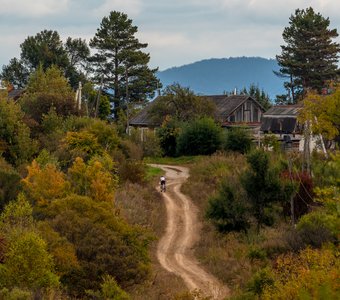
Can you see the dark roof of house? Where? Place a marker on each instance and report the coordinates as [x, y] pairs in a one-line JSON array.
[[283, 110], [225, 105], [143, 118], [280, 119], [15, 94]]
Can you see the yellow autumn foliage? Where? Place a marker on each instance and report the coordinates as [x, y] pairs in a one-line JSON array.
[[45, 184], [93, 180], [323, 112], [312, 272]]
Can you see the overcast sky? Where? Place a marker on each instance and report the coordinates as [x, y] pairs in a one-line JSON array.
[[178, 31]]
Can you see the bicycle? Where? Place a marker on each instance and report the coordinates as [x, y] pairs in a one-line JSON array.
[[163, 187]]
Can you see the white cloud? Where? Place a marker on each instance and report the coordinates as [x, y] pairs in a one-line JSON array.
[[130, 7], [36, 8], [277, 10]]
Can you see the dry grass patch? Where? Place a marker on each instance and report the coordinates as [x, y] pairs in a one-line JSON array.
[[143, 205]]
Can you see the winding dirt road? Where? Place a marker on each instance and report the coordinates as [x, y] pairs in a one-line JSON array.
[[175, 248]]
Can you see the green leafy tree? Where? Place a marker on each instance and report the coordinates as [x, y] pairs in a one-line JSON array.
[[46, 49], [10, 184], [309, 57], [202, 136], [120, 61], [182, 104], [168, 134], [91, 95], [78, 53], [16, 145], [15, 73], [238, 140], [262, 185], [47, 89]]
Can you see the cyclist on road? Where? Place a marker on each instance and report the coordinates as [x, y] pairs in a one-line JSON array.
[[162, 182]]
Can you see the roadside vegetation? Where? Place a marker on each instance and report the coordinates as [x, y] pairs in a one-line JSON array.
[[79, 213], [253, 248]]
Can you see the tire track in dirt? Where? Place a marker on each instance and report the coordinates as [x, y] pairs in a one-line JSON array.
[[175, 248]]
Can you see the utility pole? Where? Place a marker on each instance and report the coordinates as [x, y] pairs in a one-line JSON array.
[[292, 213], [306, 148], [98, 96], [127, 100]]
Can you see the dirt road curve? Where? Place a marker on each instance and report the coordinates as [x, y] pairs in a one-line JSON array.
[[174, 250]]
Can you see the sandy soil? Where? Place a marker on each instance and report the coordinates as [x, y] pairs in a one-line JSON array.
[[175, 248]]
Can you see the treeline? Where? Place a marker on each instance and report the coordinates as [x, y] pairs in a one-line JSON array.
[[117, 65]]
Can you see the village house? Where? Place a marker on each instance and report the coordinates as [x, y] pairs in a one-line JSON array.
[[282, 121], [231, 110]]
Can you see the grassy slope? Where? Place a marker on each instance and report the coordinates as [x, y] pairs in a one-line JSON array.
[[233, 257]]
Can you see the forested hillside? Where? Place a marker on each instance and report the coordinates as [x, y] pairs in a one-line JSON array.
[[216, 76]]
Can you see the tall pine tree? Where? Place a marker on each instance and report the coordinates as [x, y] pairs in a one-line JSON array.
[[309, 58], [120, 62]]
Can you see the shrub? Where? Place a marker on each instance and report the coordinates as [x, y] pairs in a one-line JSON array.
[[202, 136], [104, 243], [148, 140], [15, 294], [228, 211], [318, 228], [303, 199], [238, 140], [9, 183], [311, 274], [27, 263], [167, 134], [132, 170], [262, 185], [256, 253], [110, 290], [260, 281]]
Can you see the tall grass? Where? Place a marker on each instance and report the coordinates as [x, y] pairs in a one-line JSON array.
[[233, 257]]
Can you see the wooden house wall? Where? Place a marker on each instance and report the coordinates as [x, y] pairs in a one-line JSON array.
[[249, 111]]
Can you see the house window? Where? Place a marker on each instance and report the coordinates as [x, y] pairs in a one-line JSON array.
[[232, 118]]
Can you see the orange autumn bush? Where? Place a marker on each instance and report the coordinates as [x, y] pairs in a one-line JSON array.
[[311, 274]]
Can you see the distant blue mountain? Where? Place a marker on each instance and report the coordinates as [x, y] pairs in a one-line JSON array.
[[216, 76]]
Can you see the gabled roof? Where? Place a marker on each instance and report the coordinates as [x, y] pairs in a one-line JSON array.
[[143, 118], [225, 105]]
